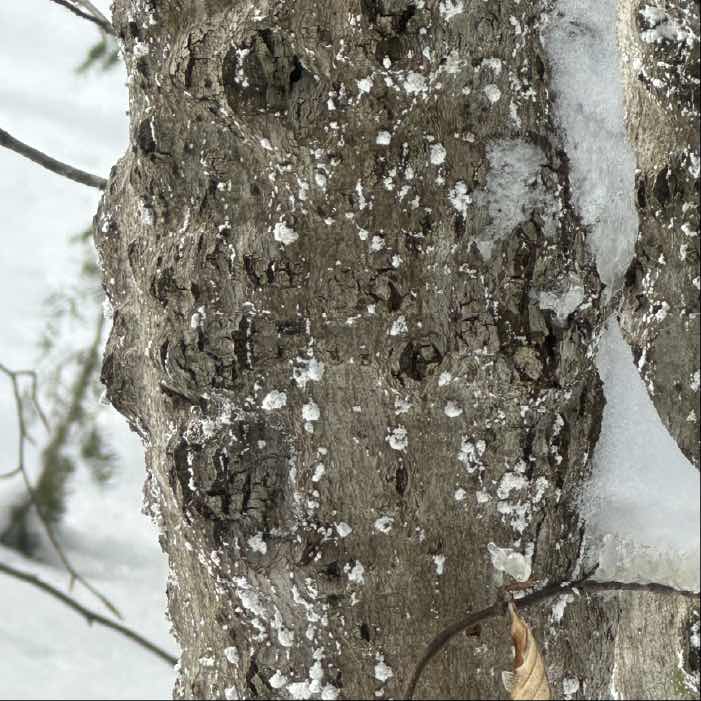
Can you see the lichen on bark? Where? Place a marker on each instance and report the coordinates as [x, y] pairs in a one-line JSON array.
[[338, 384]]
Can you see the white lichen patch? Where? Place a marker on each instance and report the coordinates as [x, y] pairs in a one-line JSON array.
[[471, 454], [451, 8], [356, 573], [398, 438], [257, 543], [383, 524], [399, 327], [284, 234], [383, 138], [274, 400], [439, 563], [383, 672], [459, 198], [452, 409], [306, 370], [343, 529], [492, 93], [437, 154], [232, 655]]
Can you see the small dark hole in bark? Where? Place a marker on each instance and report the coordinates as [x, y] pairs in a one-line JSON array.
[[661, 187], [394, 302], [539, 67], [642, 197], [333, 570], [459, 226], [401, 480], [144, 136], [365, 632], [296, 72]]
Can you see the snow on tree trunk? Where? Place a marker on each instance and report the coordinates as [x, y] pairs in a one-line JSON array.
[[354, 314], [661, 315]]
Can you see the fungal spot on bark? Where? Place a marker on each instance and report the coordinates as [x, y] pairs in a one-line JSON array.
[[401, 480]]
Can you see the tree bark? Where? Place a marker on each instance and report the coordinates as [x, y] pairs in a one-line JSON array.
[[338, 362], [661, 311]]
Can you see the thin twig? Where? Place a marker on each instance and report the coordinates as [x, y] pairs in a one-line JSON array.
[[498, 608], [11, 473], [90, 616], [79, 176], [92, 8], [75, 576], [99, 19]]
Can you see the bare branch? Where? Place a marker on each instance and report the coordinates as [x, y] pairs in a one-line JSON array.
[[499, 607], [90, 616], [74, 575], [51, 164], [97, 17]]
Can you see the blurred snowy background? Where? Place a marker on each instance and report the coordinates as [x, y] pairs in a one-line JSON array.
[[49, 312]]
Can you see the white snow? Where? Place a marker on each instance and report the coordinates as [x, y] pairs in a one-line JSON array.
[[510, 561], [515, 189], [642, 505], [580, 40], [563, 303]]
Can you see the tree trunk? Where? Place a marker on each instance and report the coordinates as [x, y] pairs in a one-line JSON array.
[[327, 251]]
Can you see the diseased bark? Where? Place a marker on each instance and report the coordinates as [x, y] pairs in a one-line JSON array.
[[264, 236]]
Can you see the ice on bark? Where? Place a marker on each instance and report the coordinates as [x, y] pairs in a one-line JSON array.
[[642, 503], [581, 43], [514, 191]]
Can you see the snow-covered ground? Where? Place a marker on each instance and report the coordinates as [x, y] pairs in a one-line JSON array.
[[46, 650]]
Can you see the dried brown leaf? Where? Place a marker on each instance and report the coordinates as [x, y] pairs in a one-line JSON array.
[[528, 679]]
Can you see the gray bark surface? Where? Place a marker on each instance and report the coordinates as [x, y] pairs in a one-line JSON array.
[[250, 122], [661, 310]]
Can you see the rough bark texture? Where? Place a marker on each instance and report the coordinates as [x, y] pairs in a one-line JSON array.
[[661, 311], [344, 398]]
